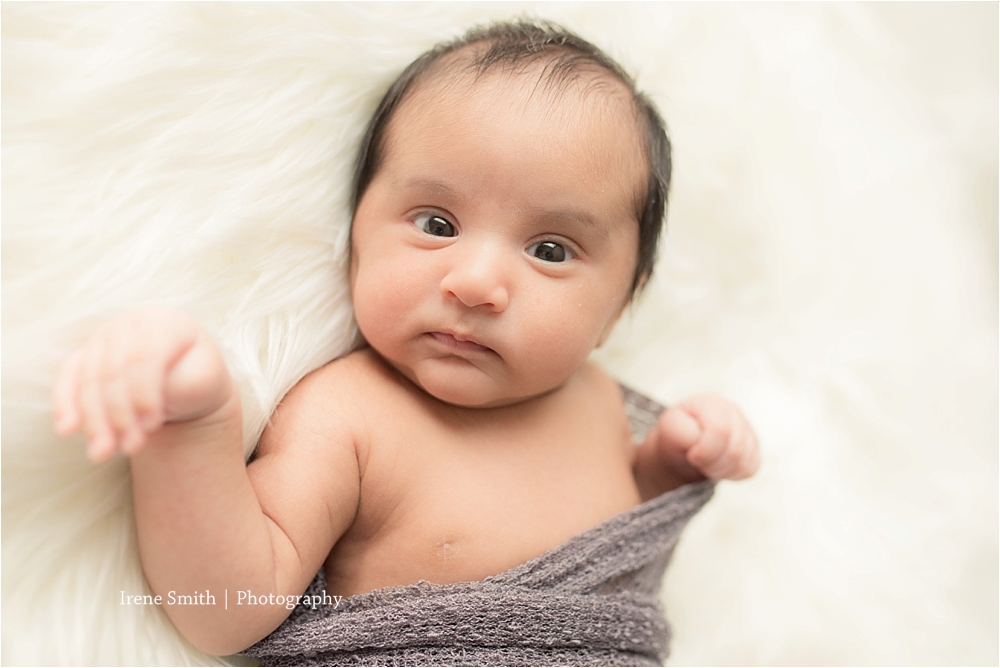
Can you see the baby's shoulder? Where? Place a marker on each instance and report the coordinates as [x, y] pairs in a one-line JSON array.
[[359, 371], [332, 400], [348, 385]]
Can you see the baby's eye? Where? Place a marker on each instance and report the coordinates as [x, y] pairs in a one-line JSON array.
[[434, 225], [549, 251]]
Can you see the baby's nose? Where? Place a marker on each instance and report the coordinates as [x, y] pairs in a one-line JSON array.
[[477, 279]]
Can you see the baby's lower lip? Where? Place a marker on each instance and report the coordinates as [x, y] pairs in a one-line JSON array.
[[450, 341]]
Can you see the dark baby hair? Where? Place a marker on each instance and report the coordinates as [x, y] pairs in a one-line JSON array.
[[520, 43]]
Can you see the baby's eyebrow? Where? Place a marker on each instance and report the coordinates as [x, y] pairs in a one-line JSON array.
[[572, 215], [437, 187]]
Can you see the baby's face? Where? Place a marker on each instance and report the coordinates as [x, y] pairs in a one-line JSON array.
[[496, 245]]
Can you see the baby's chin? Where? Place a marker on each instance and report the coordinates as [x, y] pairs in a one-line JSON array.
[[458, 383]]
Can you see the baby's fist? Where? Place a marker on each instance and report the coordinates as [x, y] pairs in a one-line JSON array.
[[135, 374], [707, 436]]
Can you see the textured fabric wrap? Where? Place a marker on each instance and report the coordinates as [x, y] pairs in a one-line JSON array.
[[592, 600]]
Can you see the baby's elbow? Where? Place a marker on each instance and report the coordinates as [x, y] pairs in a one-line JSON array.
[[219, 644], [211, 639]]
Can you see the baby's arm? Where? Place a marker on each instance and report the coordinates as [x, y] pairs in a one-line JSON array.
[[703, 437], [153, 385]]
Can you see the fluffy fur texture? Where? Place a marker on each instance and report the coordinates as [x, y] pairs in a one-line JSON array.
[[830, 264]]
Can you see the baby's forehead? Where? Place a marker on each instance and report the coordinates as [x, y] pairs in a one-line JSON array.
[[536, 90]]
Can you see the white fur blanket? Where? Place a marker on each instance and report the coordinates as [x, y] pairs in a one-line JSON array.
[[830, 264]]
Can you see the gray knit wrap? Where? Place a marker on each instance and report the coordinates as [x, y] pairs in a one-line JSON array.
[[592, 600]]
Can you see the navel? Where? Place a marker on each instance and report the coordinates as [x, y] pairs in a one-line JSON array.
[[446, 549]]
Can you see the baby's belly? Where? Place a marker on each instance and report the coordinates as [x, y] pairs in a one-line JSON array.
[[466, 531]]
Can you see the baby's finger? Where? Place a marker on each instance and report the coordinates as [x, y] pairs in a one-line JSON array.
[[741, 457], [679, 430], [146, 388], [739, 460], [100, 436], [707, 455], [119, 409], [66, 412], [750, 459], [132, 439], [730, 464]]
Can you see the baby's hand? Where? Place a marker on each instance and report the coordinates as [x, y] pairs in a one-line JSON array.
[[708, 437], [136, 373]]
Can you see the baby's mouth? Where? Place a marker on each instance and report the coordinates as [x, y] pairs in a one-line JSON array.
[[459, 343]]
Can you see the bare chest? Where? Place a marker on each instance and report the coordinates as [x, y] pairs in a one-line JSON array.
[[458, 497]]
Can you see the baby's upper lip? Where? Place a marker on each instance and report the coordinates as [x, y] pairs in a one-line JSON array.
[[459, 335], [460, 338]]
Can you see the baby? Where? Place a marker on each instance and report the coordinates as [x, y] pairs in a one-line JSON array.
[[509, 196]]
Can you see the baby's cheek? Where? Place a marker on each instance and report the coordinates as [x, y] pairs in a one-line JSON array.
[[558, 345], [379, 298]]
